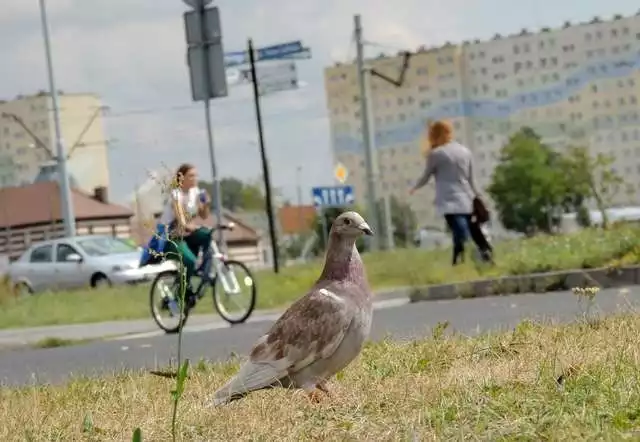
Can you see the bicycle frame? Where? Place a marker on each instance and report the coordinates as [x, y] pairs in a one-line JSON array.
[[214, 259]]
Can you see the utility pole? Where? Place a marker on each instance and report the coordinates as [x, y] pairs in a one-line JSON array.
[[263, 156], [63, 174], [367, 137]]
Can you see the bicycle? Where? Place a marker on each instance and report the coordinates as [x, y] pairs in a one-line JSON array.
[[214, 268]]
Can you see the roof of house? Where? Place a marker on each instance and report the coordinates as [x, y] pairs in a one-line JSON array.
[[40, 203], [296, 219], [241, 232]]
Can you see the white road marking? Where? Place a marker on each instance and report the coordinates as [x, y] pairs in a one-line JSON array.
[[379, 305]]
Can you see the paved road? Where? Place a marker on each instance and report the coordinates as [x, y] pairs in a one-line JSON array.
[[12, 338], [396, 318]]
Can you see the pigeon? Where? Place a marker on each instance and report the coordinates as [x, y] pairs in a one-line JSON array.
[[319, 334]]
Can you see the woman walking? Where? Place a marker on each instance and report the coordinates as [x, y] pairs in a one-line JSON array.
[[451, 164]]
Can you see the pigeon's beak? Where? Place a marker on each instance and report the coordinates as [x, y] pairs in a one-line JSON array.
[[366, 229]]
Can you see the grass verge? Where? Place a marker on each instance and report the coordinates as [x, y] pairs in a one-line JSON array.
[[537, 382], [405, 267]]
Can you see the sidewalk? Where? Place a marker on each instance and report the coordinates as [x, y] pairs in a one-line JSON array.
[[17, 337]]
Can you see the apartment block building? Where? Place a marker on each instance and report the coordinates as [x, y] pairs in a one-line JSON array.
[[576, 85], [26, 119]]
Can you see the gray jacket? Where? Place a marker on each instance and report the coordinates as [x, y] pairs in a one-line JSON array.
[[452, 166]]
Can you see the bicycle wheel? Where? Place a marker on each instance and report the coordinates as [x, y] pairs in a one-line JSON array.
[[235, 272], [166, 285]]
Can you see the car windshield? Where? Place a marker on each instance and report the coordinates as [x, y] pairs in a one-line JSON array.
[[105, 246]]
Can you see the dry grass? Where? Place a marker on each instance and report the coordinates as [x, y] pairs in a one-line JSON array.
[[403, 267], [494, 387]]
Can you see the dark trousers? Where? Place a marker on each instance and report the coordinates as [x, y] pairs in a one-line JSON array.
[[462, 227], [186, 249]]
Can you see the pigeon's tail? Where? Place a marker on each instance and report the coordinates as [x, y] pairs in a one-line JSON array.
[[251, 377]]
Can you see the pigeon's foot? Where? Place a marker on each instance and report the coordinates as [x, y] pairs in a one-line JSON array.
[[324, 387], [314, 396]]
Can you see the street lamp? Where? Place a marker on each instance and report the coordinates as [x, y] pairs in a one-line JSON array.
[[63, 175]]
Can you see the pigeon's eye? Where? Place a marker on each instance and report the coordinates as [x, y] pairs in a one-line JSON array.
[[347, 222]]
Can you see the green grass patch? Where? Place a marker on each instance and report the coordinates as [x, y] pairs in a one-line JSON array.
[[404, 267]]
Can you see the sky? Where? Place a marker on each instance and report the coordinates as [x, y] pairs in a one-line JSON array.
[[133, 55]]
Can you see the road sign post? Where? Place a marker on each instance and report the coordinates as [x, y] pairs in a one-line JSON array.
[[207, 72], [263, 156], [252, 55]]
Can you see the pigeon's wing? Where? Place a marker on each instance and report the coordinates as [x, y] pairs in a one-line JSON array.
[[311, 329]]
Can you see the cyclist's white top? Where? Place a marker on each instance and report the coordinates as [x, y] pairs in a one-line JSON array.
[[189, 203]]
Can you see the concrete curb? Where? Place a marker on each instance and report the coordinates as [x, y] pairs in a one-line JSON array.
[[603, 278]]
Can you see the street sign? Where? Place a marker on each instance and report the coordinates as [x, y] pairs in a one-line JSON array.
[[302, 55], [275, 77], [341, 173], [293, 50], [207, 73], [332, 196], [212, 27]]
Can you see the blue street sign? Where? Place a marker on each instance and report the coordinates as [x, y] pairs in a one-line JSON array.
[[332, 196], [289, 50]]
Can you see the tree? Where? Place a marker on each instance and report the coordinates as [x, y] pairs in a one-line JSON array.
[[528, 186], [237, 195], [593, 176]]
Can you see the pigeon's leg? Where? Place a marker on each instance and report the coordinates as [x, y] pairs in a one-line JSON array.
[[324, 387], [313, 393], [314, 396]]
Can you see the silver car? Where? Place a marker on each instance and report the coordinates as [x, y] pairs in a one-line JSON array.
[[68, 263]]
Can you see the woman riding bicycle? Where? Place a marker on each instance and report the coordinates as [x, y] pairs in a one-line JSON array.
[[186, 239]]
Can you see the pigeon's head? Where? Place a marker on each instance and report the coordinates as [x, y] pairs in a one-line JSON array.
[[351, 224]]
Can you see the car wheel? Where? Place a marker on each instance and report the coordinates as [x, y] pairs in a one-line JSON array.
[[100, 281], [22, 289]]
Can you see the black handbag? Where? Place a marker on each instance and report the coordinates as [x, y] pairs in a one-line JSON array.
[[480, 211]]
